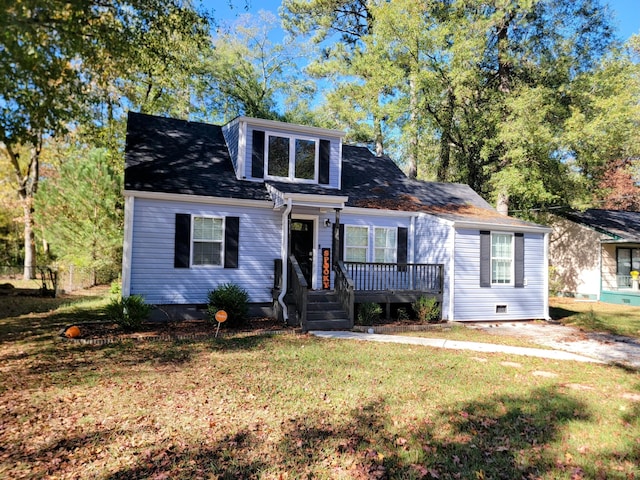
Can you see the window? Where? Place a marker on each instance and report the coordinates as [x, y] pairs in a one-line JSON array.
[[356, 244], [207, 241], [628, 259], [386, 245], [292, 158], [501, 258]]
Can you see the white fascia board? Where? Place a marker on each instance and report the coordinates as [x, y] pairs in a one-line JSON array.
[[179, 197], [316, 200], [501, 226], [291, 127]]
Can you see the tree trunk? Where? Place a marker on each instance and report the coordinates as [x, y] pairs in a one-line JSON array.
[[379, 139], [412, 160], [29, 272]]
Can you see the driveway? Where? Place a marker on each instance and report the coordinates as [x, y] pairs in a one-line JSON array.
[[568, 343]]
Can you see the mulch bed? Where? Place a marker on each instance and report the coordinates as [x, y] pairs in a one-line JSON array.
[[101, 333]]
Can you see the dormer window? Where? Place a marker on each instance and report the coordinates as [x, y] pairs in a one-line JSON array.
[[292, 158]]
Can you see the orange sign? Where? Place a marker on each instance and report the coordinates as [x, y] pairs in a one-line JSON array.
[[326, 268], [221, 316]]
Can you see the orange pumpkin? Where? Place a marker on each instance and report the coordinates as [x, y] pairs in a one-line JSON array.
[[72, 332]]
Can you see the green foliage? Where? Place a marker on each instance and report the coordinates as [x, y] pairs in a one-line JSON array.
[[231, 298], [427, 310], [368, 313], [128, 312], [116, 288], [80, 209]]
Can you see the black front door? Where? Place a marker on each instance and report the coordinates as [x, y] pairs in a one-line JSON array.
[[302, 246]]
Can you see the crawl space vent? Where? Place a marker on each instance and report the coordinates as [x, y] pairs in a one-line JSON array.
[[501, 309]]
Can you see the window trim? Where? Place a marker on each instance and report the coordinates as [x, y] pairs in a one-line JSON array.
[[346, 246], [393, 249], [292, 161], [193, 241], [512, 259]]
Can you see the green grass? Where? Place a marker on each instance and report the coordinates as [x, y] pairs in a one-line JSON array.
[[300, 407], [596, 316]]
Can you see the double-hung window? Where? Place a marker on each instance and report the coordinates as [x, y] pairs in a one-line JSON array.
[[356, 244], [292, 158], [386, 245], [501, 258], [207, 241]]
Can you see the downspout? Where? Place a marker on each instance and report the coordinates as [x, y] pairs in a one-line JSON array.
[[284, 250]]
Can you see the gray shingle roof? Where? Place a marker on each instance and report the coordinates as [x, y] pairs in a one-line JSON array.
[[619, 224], [176, 156]]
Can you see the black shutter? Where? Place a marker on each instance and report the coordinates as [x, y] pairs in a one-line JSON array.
[[323, 171], [403, 244], [519, 260], [257, 154], [231, 236], [341, 243], [485, 258], [182, 245]]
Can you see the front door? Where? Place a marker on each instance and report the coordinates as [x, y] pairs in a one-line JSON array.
[[302, 246]]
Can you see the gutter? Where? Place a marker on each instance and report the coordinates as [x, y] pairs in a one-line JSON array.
[[283, 253]]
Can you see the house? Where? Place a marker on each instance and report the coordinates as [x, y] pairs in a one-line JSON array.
[[312, 227], [593, 252]]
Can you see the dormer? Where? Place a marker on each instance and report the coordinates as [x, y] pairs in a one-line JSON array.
[[267, 150]]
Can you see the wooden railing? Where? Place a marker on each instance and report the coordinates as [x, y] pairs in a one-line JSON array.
[[343, 286], [299, 288], [395, 277]]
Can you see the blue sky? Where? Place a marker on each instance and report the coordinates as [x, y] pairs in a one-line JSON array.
[[626, 12]]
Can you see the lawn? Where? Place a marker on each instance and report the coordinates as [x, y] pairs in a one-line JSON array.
[[596, 316], [294, 406]]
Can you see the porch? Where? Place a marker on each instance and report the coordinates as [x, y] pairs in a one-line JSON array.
[[625, 292], [355, 283]]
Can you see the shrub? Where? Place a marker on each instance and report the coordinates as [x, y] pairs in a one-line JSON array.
[[427, 309], [232, 299], [368, 313], [116, 288], [128, 312]]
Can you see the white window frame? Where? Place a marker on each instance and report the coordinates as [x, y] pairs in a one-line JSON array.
[[347, 246], [193, 241], [292, 161], [393, 249], [511, 259]]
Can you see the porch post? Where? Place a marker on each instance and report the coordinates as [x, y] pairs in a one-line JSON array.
[[336, 239]]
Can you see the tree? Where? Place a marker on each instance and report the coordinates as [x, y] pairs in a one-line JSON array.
[[80, 209], [247, 74], [53, 56]]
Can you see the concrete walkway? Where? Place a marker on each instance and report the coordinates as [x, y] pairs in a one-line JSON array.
[[457, 345]]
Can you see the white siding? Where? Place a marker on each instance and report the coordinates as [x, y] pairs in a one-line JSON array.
[[473, 303], [232, 137], [433, 244], [152, 272]]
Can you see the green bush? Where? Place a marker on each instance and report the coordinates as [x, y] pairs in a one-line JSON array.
[[232, 299], [427, 310], [128, 312], [368, 313]]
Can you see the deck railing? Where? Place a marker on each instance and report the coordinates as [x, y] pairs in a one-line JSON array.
[[395, 277], [343, 285], [299, 289]]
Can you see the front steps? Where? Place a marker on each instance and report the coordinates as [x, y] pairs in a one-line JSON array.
[[324, 312]]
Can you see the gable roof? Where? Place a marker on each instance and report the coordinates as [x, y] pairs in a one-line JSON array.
[[180, 157], [618, 224]]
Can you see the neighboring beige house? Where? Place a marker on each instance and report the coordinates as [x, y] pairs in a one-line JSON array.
[[593, 253]]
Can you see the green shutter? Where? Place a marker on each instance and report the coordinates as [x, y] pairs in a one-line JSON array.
[[485, 258]]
